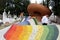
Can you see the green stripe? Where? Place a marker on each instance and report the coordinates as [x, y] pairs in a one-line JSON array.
[[35, 21], [51, 33], [56, 32], [45, 32]]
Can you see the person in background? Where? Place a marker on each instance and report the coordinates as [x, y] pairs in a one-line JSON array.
[[45, 20], [21, 16], [1, 22]]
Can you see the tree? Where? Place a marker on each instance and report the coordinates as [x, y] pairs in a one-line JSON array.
[[21, 5], [46, 2], [56, 8], [2, 5]]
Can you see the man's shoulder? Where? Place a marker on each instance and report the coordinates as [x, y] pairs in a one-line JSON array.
[[44, 16]]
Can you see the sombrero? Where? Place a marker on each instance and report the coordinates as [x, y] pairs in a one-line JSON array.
[[38, 9]]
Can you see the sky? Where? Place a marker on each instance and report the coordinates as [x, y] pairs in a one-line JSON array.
[[38, 1]]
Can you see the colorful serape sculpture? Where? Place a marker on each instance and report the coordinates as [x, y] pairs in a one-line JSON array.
[[32, 32]]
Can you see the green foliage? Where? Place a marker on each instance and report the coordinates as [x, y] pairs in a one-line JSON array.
[[2, 5], [56, 8], [21, 5], [46, 3]]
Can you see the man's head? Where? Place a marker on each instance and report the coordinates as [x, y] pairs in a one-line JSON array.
[[22, 13]]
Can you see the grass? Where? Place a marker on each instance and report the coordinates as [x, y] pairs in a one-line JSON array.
[[3, 26]]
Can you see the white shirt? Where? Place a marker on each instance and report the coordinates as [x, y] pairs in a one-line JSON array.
[[45, 19]]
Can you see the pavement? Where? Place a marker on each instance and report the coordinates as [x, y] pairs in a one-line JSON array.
[[58, 26], [3, 31]]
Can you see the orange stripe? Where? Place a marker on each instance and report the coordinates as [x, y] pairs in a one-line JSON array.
[[14, 32], [9, 32]]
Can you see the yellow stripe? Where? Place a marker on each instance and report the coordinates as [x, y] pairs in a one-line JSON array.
[[28, 32], [39, 33], [25, 34]]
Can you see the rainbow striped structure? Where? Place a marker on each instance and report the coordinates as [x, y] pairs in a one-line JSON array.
[[28, 32], [34, 31]]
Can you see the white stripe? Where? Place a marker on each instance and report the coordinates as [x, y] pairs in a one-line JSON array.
[[34, 31]]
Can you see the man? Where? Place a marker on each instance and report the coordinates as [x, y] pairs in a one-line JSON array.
[[45, 20]]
